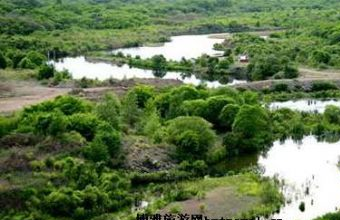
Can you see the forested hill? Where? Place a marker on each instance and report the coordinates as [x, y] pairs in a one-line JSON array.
[[78, 26], [27, 16]]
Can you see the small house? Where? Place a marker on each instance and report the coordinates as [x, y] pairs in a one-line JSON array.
[[243, 58]]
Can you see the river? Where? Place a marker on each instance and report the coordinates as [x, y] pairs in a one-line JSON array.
[[187, 46]]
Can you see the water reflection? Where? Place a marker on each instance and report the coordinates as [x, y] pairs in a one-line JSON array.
[[310, 175], [187, 46], [305, 105], [307, 169], [79, 67]]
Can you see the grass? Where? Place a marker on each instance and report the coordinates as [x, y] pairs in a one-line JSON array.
[[17, 74], [243, 195]]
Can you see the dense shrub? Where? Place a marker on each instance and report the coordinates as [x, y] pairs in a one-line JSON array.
[[196, 107], [7, 124], [332, 114], [192, 136], [251, 130], [143, 94], [46, 72], [3, 61], [85, 124], [109, 110], [215, 106], [70, 105], [53, 123], [227, 115], [321, 86]]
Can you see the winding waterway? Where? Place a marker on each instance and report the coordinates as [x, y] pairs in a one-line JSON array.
[[308, 169], [187, 46]]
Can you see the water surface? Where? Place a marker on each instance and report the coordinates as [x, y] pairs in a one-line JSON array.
[[187, 46], [79, 67], [310, 172], [305, 105]]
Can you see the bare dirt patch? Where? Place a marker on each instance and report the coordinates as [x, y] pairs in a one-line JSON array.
[[16, 95], [219, 202]]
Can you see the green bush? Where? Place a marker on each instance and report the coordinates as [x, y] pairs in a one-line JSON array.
[[227, 115], [332, 114], [143, 94], [3, 61], [108, 110], [70, 105], [192, 136], [196, 107], [46, 72], [281, 87], [53, 123], [251, 131], [321, 86], [84, 124], [7, 125], [215, 106]]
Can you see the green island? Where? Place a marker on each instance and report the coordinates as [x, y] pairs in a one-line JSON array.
[[83, 148]]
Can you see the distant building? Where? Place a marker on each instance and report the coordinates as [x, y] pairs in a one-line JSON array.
[[243, 58]]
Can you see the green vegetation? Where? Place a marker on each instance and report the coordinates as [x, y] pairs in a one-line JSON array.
[[71, 158], [332, 216], [74, 152]]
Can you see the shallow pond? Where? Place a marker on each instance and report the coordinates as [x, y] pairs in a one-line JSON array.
[[79, 67], [187, 46], [308, 171], [305, 105]]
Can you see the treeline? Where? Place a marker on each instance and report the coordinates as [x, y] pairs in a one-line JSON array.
[[71, 27]]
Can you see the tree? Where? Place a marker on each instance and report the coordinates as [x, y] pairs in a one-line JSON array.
[[62, 202], [215, 105], [332, 114], [192, 136], [45, 72], [130, 111], [159, 65], [109, 137], [251, 130], [143, 94], [97, 151], [84, 124], [290, 71], [150, 123], [227, 115], [3, 62], [51, 123], [109, 110], [264, 67], [196, 107]]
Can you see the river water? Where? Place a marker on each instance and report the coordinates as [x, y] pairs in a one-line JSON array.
[[305, 105], [310, 172], [309, 169], [188, 46]]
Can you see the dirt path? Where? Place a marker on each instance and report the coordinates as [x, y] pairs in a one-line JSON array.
[[305, 80], [14, 95]]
